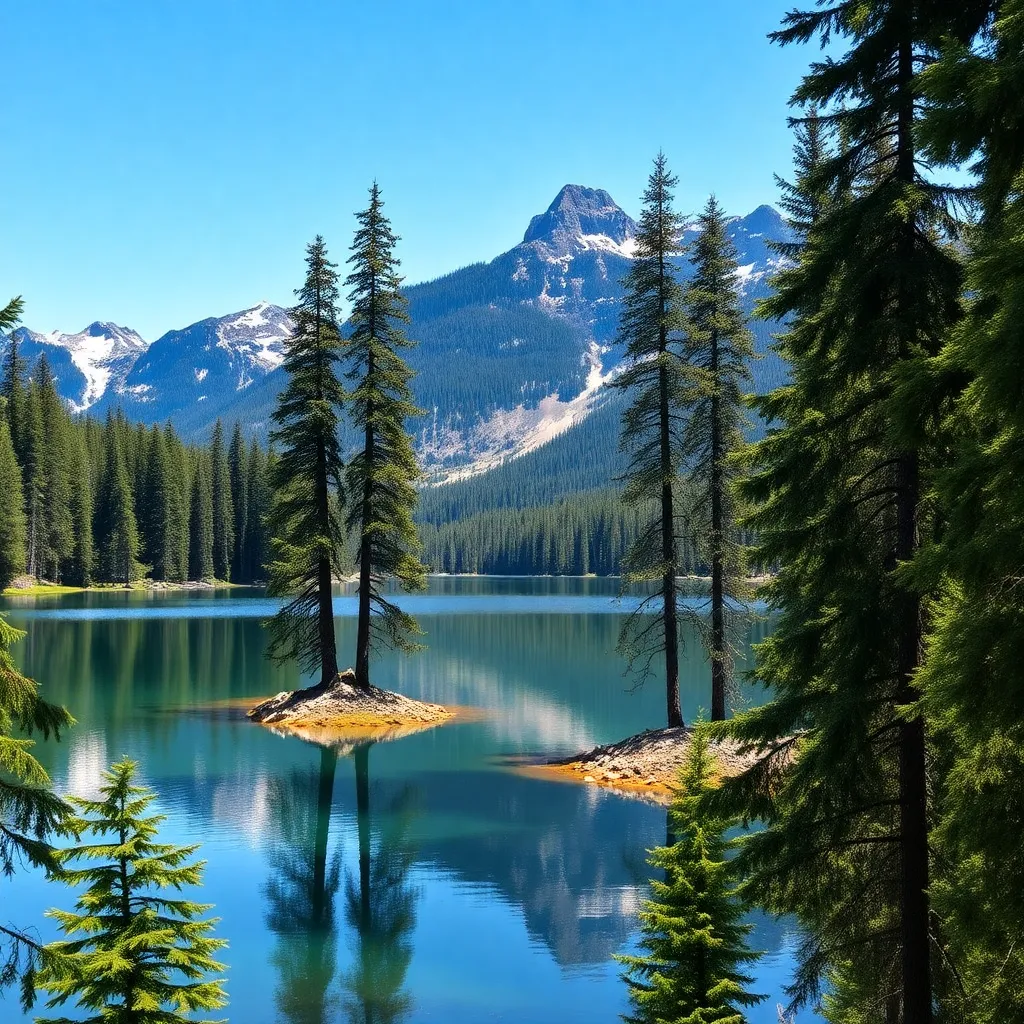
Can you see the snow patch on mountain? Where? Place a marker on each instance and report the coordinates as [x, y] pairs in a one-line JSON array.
[[511, 433], [256, 337]]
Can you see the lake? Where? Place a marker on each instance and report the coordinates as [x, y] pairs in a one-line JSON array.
[[417, 880]]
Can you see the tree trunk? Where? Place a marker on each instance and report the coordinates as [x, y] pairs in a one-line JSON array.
[[719, 655], [914, 906], [668, 583]]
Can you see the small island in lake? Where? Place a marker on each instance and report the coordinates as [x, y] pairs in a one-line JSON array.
[[344, 708]]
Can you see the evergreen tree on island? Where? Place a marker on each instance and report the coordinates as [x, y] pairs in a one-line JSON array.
[[693, 940], [381, 475], [305, 518], [718, 349], [653, 429], [132, 953]]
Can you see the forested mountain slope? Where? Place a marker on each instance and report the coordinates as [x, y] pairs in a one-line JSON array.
[[510, 364]]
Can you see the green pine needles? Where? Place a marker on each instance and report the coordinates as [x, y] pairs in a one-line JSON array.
[[306, 518], [692, 970], [381, 475], [29, 811], [653, 429], [133, 954], [718, 350]]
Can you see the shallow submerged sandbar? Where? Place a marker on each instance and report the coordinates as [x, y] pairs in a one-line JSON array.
[[645, 765]]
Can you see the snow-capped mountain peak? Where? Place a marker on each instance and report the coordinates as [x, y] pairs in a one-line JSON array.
[[257, 334], [581, 219], [88, 363]]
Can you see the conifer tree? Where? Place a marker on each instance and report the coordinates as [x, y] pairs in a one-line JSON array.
[[176, 515], [718, 349], [973, 681], [12, 511], [257, 548], [56, 535], [842, 789], [118, 533], [238, 466], [152, 505], [223, 509], [382, 473], [132, 953], [652, 431], [201, 531], [12, 386], [692, 968], [308, 536], [29, 811], [79, 564], [33, 478]]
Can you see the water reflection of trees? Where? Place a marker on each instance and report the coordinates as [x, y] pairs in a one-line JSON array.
[[379, 906], [300, 893]]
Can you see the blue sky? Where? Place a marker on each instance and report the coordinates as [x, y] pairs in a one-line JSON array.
[[168, 160]]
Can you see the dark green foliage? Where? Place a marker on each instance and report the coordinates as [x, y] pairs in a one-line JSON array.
[[33, 477], [305, 518], [175, 544], [973, 681], [152, 504], [133, 953], [238, 471], [692, 968], [117, 532], [29, 811], [255, 550], [200, 528], [718, 350], [12, 386], [79, 564], [223, 507], [653, 430], [381, 473], [838, 496], [12, 511]]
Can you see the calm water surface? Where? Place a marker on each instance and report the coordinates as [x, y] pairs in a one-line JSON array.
[[418, 880]]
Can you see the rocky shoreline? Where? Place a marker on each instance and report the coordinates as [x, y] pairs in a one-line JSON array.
[[644, 765]]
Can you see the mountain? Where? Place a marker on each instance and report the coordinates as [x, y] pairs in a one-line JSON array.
[[88, 365], [512, 358], [190, 376]]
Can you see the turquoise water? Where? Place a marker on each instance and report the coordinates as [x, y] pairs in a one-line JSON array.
[[417, 880]]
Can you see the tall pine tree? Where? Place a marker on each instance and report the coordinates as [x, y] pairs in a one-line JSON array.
[[238, 467], [223, 508], [718, 349], [308, 536], [973, 681], [117, 529], [12, 386], [382, 473], [200, 540], [12, 511], [842, 790], [653, 429]]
